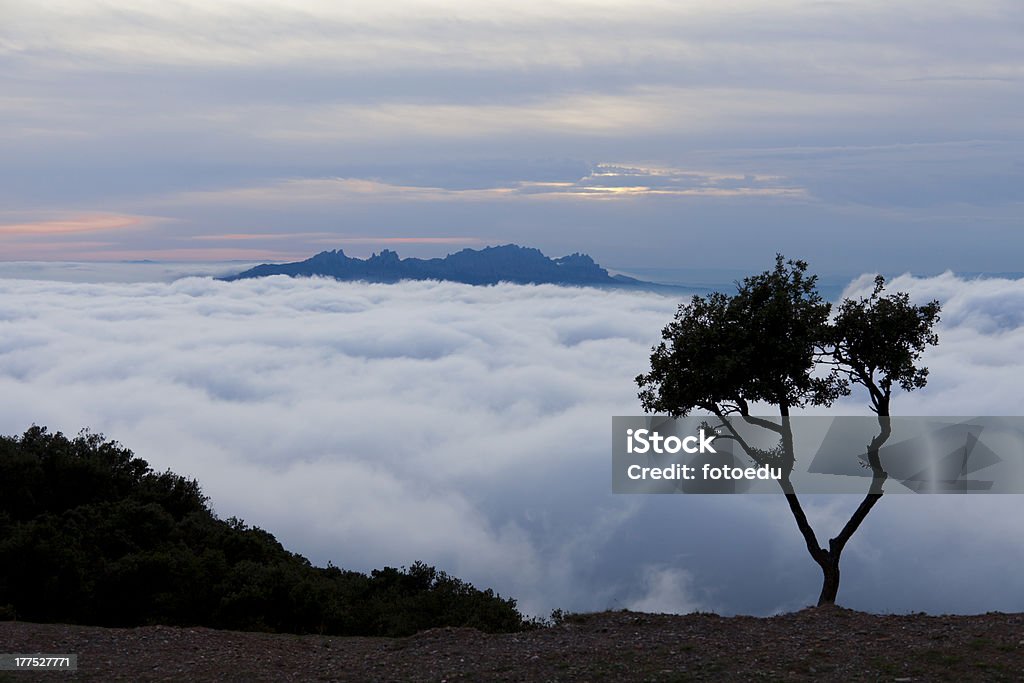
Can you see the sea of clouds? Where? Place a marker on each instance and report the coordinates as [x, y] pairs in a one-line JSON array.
[[469, 427]]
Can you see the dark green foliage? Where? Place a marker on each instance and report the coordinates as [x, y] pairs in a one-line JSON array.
[[89, 534], [722, 353], [877, 342]]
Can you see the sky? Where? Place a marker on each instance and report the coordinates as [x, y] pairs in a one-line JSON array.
[[374, 425], [860, 136]]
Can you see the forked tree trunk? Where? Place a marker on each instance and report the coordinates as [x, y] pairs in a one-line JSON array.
[[827, 559]]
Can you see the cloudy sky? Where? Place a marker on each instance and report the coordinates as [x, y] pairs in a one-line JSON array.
[[469, 427], [861, 136]]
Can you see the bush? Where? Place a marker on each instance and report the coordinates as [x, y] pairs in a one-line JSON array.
[[90, 534]]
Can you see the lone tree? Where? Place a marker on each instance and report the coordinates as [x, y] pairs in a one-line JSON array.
[[773, 343]]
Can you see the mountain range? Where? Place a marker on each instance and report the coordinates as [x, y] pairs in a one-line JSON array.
[[488, 266]]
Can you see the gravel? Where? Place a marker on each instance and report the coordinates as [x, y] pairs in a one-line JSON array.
[[822, 644]]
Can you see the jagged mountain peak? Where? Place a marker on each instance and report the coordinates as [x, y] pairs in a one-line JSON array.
[[489, 265]]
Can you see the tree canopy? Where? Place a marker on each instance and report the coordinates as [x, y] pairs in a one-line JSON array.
[[722, 353], [877, 341]]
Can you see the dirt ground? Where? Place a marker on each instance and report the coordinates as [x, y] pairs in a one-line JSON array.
[[811, 645]]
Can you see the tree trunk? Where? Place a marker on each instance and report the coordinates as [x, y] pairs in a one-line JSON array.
[[828, 559], [830, 579]]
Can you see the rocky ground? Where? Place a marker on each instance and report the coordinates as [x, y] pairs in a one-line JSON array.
[[814, 644]]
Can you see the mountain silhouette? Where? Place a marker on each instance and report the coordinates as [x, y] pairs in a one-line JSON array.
[[488, 266]]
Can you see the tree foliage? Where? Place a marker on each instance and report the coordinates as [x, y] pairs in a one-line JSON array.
[[90, 534], [877, 341], [721, 353]]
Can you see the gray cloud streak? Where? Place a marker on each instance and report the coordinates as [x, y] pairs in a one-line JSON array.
[[873, 111]]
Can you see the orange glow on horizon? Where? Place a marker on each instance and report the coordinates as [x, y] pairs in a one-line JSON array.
[[78, 224], [96, 252]]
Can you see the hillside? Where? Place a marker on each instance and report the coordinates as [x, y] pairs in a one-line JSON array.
[[90, 534], [826, 644]]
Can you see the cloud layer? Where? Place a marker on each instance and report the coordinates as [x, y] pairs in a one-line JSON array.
[[468, 427]]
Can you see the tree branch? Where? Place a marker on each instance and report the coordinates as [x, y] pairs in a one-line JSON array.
[[819, 554], [735, 435], [874, 494]]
